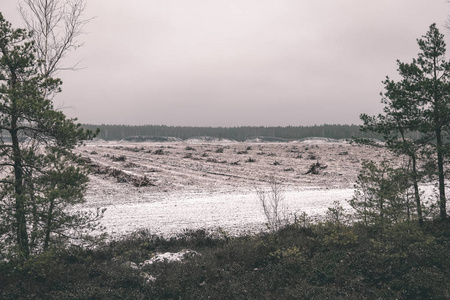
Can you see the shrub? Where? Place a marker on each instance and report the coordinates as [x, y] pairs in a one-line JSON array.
[[119, 158], [159, 152], [274, 206], [299, 261]]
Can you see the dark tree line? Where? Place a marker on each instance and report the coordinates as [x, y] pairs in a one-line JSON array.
[[118, 132]]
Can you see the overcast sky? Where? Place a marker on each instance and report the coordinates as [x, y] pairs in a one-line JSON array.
[[239, 62]]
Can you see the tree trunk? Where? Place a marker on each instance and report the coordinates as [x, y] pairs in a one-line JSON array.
[[438, 105], [416, 192], [440, 161], [48, 228], [34, 230], [19, 194]]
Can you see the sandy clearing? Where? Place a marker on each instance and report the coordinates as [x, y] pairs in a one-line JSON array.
[[211, 185], [235, 213]]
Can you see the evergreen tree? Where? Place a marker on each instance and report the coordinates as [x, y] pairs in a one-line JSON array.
[[419, 103], [40, 175], [380, 194]]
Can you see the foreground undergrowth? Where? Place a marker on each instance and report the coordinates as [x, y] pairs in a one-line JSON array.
[[323, 261]]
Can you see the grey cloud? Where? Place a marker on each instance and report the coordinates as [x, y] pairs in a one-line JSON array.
[[239, 62]]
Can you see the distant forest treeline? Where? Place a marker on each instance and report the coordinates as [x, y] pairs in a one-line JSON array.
[[118, 132]]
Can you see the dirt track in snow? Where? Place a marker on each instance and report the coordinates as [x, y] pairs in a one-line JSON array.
[[199, 184]]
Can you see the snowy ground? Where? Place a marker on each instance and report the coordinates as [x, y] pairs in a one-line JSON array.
[[198, 184]]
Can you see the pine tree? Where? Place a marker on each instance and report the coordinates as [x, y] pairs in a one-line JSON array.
[[380, 193], [40, 175], [419, 104]]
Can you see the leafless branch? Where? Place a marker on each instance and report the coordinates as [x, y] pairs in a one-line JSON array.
[[447, 23], [56, 27], [273, 206]]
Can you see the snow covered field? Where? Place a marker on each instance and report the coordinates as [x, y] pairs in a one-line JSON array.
[[171, 186]]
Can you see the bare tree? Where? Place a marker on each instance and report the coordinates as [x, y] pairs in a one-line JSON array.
[[447, 22], [56, 26], [273, 204]]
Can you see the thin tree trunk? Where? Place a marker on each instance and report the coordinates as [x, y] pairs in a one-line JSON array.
[[416, 191], [19, 185], [34, 230], [439, 143], [19, 189], [48, 229], [440, 158]]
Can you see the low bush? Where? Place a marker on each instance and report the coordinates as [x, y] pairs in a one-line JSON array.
[[119, 158], [328, 260], [242, 152]]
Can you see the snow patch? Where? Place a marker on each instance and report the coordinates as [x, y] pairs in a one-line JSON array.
[[215, 185], [140, 139], [170, 257], [208, 139], [266, 139]]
